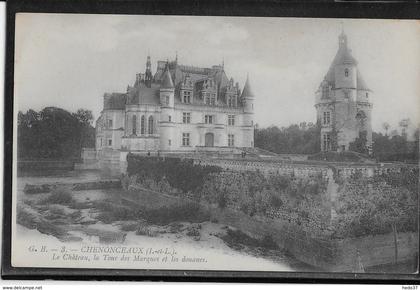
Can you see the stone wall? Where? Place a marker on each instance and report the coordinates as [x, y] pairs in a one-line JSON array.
[[330, 255], [304, 168], [376, 250]]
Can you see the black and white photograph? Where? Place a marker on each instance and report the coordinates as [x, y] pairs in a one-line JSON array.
[[215, 143]]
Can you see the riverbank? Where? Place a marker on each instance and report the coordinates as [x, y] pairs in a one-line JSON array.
[[82, 221]]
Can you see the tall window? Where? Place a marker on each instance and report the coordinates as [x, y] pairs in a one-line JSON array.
[[134, 125], [185, 139], [327, 142], [231, 101], [150, 125], [346, 72], [143, 125], [231, 140], [231, 120], [186, 118], [327, 118], [109, 142], [167, 100], [170, 118], [110, 124], [208, 119]]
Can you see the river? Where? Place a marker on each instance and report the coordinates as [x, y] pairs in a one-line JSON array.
[[210, 247]]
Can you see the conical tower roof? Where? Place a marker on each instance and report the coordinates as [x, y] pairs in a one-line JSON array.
[[167, 82], [344, 56], [247, 92]]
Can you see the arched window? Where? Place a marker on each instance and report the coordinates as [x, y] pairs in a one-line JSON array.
[[143, 125], [150, 125], [134, 126], [346, 72]]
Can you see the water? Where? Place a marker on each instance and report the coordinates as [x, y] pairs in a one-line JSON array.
[[219, 255]]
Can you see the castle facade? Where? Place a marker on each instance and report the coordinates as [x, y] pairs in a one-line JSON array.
[[178, 108], [343, 103]]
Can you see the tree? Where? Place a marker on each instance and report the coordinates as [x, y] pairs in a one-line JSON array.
[[53, 133], [299, 139], [84, 116], [359, 145]]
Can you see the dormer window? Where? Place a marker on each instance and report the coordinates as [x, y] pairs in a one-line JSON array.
[[186, 97], [231, 101], [325, 91], [327, 118], [346, 72], [367, 94], [213, 99], [207, 98]]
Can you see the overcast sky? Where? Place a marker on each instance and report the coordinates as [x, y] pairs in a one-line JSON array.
[[70, 60]]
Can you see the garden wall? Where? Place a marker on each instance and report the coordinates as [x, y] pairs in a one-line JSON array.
[[305, 168], [329, 255], [377, 250]]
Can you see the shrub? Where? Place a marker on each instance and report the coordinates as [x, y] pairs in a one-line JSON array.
[[59, 195], [237, 239], [128, 227], [111, 212], [181, 174], [269, 243], [143, 230], [186, 212]]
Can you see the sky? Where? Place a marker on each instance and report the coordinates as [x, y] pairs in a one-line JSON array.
[[71, 60]]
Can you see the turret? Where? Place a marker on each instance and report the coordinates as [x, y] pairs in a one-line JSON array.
[[342, 102], [167, 89], [248, 97], [148, 74]]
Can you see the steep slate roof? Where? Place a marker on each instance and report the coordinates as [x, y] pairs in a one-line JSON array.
[[247, 92], [140, 94], [169, 75], [167, 80], [344, 56], [114, 101]]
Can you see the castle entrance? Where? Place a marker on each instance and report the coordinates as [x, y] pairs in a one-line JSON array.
[[209, 140]]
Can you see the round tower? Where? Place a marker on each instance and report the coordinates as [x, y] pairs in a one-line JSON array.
[[167, 90], [248, 97], [248, 117], [342, 102], [167, 122]]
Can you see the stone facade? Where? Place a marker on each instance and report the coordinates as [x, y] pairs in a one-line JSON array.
[[343, 103], [178, 109]]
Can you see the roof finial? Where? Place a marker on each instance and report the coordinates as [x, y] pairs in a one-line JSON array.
[[176, 56], [342, 38], [223, 62]]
